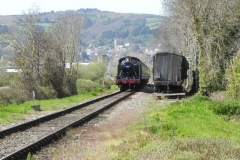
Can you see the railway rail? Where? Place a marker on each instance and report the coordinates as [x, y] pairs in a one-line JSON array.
[[18, 141]]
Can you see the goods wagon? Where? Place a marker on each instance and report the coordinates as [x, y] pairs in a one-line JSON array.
[[169, 72]]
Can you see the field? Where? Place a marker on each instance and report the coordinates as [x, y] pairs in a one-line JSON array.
[[153, 22]]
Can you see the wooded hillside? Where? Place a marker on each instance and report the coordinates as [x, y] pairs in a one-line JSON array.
[[102, 27]]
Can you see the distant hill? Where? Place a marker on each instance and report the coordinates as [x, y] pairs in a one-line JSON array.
[[102, 27]]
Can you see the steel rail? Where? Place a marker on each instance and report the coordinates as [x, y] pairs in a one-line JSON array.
[[29, 124], [36, 146]]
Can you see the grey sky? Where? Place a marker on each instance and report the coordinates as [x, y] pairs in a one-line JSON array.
[[16, 7]]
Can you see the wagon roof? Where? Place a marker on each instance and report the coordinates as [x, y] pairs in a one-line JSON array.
[[164, 53]]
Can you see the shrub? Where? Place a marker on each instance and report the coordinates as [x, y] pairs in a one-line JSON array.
[[6, 78], [4, 82], [233, 78], [93, 71], [198, 98], [226, 108], [218, 107], [45, 92], [84, 85], [218, 96], [108, 82], [12, 95]]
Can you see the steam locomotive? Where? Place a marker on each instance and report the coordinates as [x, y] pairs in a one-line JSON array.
[[131, 73]]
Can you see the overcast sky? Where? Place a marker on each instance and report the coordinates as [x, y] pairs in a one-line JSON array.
[[16, 7]]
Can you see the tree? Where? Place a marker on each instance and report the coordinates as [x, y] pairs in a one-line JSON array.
[[66, 36], [109, 34], [25, 41], [42, 56], [208, 35], [122, 33], [93, 71], [136, 31], [3, 28], [169, 37], [233, 78]]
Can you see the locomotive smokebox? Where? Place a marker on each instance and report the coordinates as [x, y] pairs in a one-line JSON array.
[[127, 68]]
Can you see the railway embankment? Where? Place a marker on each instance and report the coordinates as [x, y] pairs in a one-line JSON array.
[[143, 127]]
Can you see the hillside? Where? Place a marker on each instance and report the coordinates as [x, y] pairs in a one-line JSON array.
[[102, 27], [105, 26]]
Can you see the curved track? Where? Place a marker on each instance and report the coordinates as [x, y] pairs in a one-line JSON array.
[[16, 142]]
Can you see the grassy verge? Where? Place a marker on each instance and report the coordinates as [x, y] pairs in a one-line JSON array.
[[15, 113], [195, 128]]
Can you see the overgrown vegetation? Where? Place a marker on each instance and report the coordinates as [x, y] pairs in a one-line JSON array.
[[195, 128], [233, 78], [6, 79], [15, 112], [42, 56], [90, 79], [208, 33]]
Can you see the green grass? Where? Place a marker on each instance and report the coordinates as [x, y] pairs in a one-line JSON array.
[[14, 112], [188, 129], [191, 118], [44, 25], [153, 22]]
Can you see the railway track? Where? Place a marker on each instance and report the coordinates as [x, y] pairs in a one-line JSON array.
[[18, 141]]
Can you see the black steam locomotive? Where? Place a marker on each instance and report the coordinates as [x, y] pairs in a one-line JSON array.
[[169, 72], [131, 73]]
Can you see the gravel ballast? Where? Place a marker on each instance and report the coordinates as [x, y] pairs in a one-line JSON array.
[[93, 139]]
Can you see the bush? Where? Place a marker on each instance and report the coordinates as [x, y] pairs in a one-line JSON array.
[[108, 82], [233, 78], [45, 92], [226, 108], [4, 82], [12, 95], [6, 78], [70, 83], [84, 85], [220, 107], [93, 71], [218, 96], [198, 98]]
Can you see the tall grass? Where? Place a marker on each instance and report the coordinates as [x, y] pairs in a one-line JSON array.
[[195, 128], [15, 112]]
